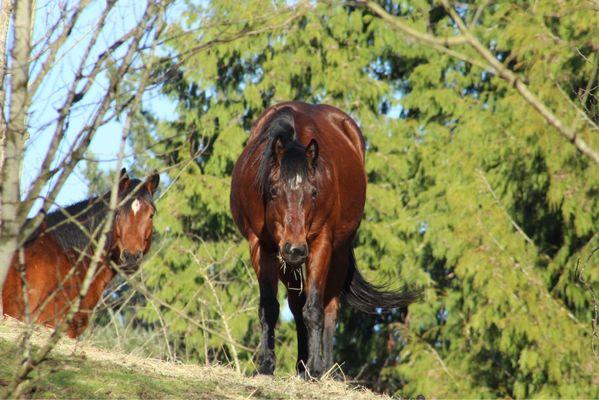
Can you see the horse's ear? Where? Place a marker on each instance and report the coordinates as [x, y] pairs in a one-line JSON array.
[[312, 152], [123, 180], [123, 174], [152, 182], [278, 148]]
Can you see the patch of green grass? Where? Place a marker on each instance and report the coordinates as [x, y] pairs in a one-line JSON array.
[[76, 370], [75, 377]]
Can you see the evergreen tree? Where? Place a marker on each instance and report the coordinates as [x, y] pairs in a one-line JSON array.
[[471, 194]]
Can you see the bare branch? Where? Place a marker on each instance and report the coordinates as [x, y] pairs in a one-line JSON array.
[[18, 385], [56, 45], [65, 109], [86, 134], [181, 313], [479, 12], [221, 311], [445, 41], [441, 44]]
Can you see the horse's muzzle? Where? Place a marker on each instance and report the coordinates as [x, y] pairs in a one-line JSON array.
[[130, 261], [294, 254]]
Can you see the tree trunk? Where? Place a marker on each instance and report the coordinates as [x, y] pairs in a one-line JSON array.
[[15, 134], [5, 11]]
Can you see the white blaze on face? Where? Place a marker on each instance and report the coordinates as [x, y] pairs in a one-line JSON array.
[[135, 206], [296, 181]]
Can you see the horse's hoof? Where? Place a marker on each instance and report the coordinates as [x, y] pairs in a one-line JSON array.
[[307, 376], [336, 375], [311, 373], [266, 362]]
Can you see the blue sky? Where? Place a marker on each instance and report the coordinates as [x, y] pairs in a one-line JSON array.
[[52, 93]]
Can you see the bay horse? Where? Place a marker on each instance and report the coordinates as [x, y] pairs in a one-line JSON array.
[[58, 255], [297, 195]]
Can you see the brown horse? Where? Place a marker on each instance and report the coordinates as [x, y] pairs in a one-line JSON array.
[[297, 195], [57, 257]]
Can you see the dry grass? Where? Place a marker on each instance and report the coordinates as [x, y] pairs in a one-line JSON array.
[[216, 381]]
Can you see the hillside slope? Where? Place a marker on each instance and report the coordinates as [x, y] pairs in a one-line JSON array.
[[78, 370]]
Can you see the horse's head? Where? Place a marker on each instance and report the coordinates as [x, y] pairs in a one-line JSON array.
[[133, 225], [290, 193]]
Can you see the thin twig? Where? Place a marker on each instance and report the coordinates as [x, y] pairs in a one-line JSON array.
[[514, 224], [589, 287], [221, 311]]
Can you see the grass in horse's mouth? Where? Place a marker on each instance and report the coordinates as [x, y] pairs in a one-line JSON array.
[[297, 269]]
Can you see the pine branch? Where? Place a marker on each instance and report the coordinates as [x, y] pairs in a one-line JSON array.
[[490, 64], [501, 70]]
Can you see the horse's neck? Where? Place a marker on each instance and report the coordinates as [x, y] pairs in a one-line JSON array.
[[77, 228], [103, 276]]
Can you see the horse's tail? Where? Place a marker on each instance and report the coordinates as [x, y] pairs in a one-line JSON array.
[[372, 299]]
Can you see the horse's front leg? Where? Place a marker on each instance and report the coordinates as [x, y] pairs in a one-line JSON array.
[[318, 265], [266, 267]]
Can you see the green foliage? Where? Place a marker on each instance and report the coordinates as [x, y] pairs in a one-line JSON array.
[[471, 194]]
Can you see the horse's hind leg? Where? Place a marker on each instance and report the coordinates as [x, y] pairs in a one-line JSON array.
[[335, 281], [265, 265], [330, 322]]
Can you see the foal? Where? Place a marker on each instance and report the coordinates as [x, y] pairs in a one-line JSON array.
[[57, 257], [297, 195]]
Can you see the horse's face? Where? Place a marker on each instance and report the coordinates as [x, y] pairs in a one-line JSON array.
[[290, 198], [133, 228]]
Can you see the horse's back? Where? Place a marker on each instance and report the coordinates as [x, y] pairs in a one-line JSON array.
[[328, 120], [51, 287], [44, 264]]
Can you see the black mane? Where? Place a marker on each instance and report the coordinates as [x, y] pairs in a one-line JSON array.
[[294, 163], [77, 227]]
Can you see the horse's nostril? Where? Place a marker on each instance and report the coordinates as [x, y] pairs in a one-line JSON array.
[[287, 248], [300, 251], [295, 251], [132, 257]]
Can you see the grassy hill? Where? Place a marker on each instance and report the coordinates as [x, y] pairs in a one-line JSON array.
[[78, 370]]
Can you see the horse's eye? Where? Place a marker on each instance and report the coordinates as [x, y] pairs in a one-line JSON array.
[[314, 193], [272, 192]]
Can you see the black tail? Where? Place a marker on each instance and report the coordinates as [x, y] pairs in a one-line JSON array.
[[372, 299]]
